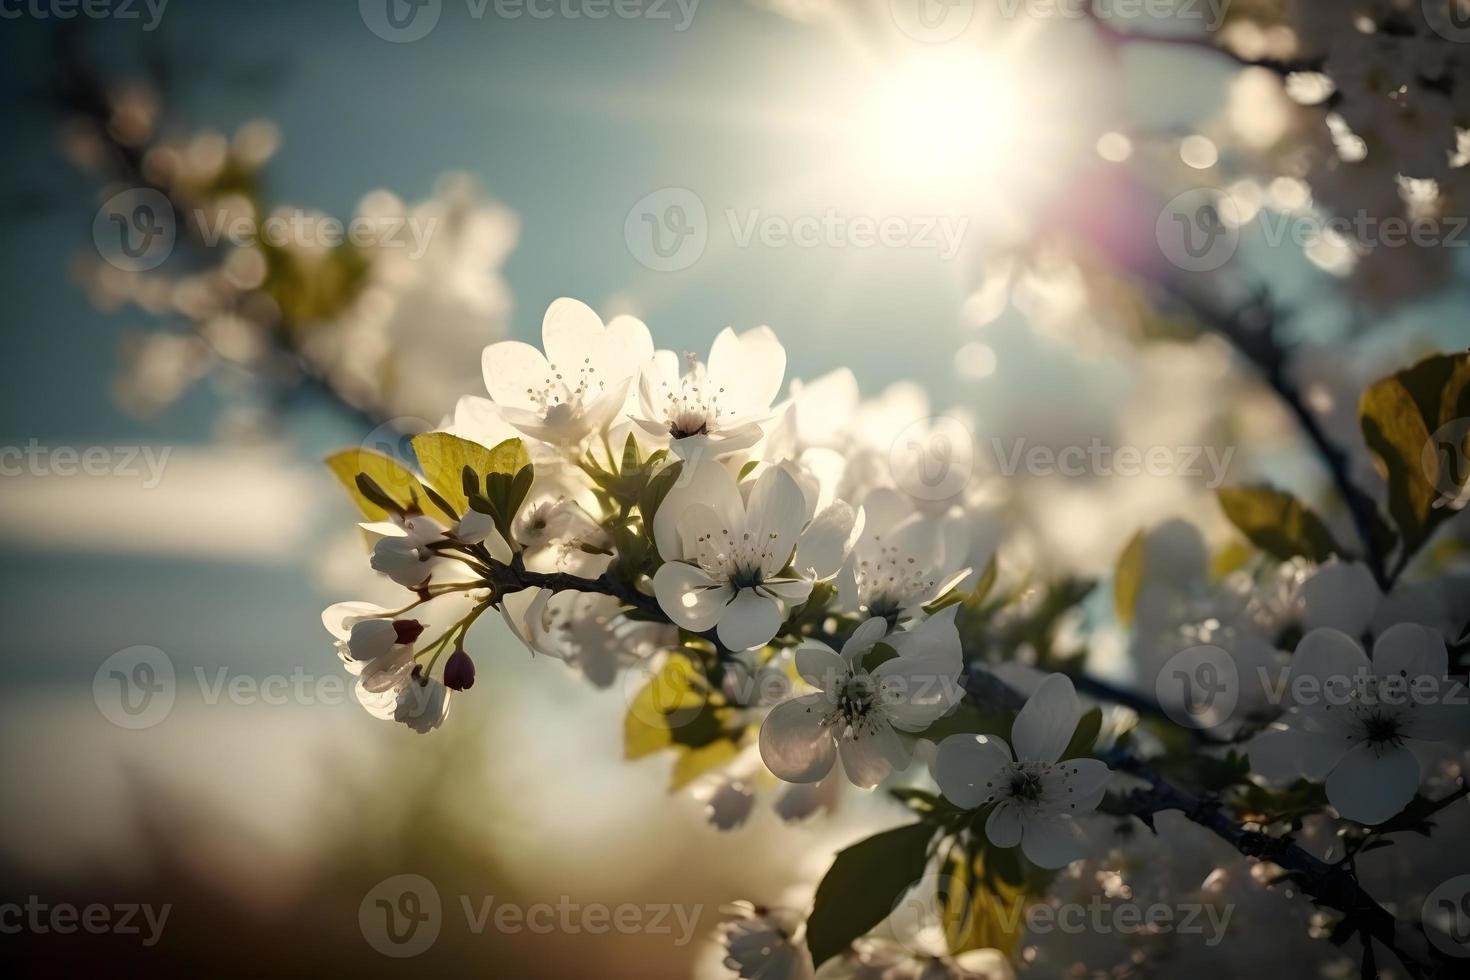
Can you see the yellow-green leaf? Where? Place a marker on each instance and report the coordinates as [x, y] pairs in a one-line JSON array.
[[981, 911], [1416, 423], [1277, 523], [443, 458], [1128, 578], [391, 476]]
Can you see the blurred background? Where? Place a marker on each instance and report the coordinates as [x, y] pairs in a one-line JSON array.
[[701, 165]]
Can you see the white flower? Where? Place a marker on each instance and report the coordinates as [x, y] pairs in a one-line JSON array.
[[901, 561], [1355, 723], [383, 661], [860, 713], [579, 386], [1341, 596], [552, 527], [719, 407], [583, 629], [723, 556], [402, 550], [760, 943], [1037, 798]]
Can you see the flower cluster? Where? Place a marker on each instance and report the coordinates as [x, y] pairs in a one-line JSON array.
[[801, 614]]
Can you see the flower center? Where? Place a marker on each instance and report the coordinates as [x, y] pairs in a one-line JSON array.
[[694, 410], [890, 582]]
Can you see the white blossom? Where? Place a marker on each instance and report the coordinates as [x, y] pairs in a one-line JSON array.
[[1036, 796]]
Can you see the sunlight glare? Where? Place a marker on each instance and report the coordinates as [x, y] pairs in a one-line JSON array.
[[941, 127]]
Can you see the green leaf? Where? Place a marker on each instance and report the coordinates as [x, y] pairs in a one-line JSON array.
[[656, 490], [677, 709], [1085, 737], [385, 474], [1278, 523], [1416, 423], [444, 459], [1128, 578], [983, 906], [863, 885]]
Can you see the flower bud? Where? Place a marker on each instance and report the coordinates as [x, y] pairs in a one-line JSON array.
[[459, 672], [407, 630]]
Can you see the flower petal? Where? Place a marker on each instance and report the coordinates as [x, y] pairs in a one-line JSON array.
[[864, 638], [825, 543], [689, 597], [511, 367], [707, 483], [749, 621], [1342, 596], [1294, 752], [775, 515], [1004, 825], [1084, 781], [1052, 841], [871, 756], [1332, 662], [794, 743], [1046, 723], [1411, 651], [820, 666], [1373, 782], [965, 765]]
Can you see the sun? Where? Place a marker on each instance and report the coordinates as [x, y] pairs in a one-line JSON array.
[[945, 128]]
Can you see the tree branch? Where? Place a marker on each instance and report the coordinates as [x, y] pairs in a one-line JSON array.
[[1330, 885]]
